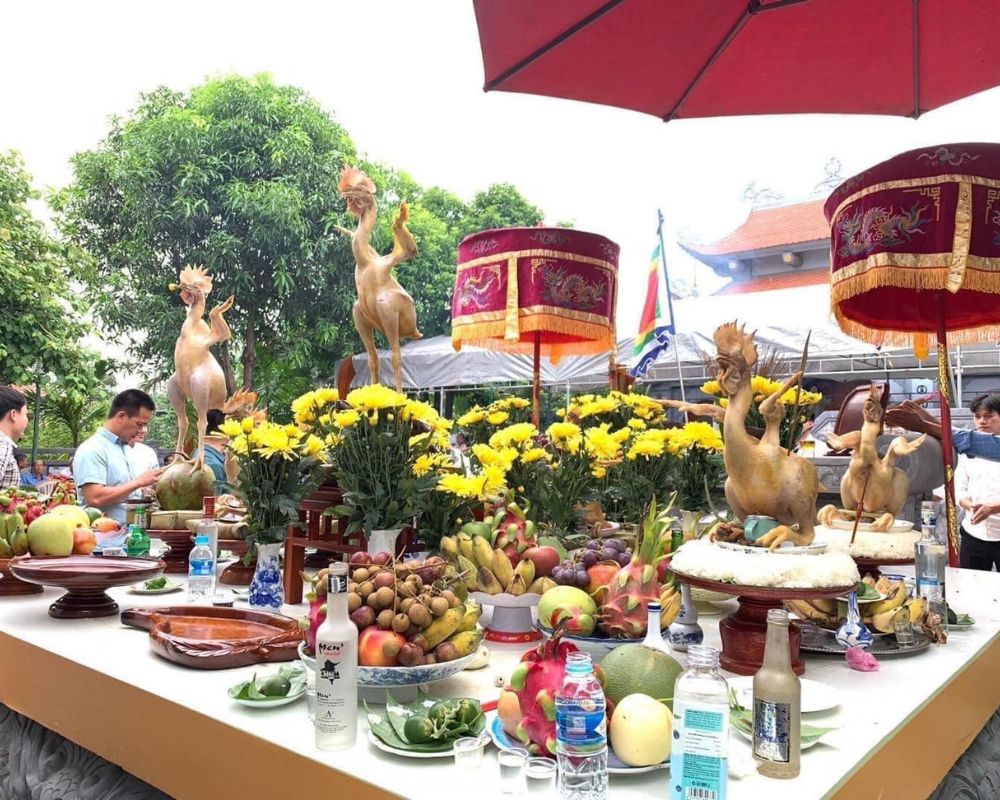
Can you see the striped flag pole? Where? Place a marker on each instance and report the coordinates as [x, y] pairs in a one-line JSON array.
[[670, 303]]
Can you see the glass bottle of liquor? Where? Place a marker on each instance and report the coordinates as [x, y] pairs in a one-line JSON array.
[[777, 703], [336, 719]]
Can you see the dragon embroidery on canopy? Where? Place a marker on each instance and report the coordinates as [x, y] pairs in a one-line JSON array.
[[571, 290], [879, 227], [476, 288]]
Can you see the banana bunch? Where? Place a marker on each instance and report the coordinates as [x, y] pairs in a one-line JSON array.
[[488, 569], [670, 605], [13, 534], [829, 613]]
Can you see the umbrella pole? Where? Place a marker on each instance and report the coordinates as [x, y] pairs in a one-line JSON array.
[[536, 378], [947, 450]]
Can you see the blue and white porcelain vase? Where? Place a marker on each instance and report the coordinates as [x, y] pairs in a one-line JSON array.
[[266, 592], [685, 630], [852, 631]]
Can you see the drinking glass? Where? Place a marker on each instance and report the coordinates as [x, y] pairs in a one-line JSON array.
[[511, 770], [540, 777], [903, 628], [469, 752]]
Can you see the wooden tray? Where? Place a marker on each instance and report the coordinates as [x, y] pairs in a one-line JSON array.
[[205, 637], [85, 580]]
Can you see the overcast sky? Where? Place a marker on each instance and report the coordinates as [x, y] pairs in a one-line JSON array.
[[405, 78]]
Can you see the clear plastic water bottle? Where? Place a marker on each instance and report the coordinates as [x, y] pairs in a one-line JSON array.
[[201, 570], [931, 560], [699, 757], [581, 733]]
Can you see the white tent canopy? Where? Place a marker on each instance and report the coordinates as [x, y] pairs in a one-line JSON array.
[[782, 318]]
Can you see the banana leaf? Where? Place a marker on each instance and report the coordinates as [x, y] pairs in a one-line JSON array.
[[388, 725]]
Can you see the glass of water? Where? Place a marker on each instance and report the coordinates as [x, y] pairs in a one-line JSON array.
[[512, 770], [540, 777], [469, 752], [903, 628]]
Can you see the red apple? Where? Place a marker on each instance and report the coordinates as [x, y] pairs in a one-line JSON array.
[[370, 647], [600, 576], [84, 541], [382, 558], [360, 559], [544, 558]]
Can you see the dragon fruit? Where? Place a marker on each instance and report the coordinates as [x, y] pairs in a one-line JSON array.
[[527, 706], [623, 611], [516, 533], [316, 596]]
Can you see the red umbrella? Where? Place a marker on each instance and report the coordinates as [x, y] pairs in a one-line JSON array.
[[544, 291], [676, 59], [915, 249]]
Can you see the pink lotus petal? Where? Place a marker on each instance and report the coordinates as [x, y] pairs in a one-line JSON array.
[[860, 659]]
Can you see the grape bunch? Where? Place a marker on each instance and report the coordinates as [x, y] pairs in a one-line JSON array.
[[574, 573]]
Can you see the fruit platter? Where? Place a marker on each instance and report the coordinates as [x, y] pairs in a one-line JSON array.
[[610, 606], [632, 676], [85, 580], [504, 564], [415, 622]]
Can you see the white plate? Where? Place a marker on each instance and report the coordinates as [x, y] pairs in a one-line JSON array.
[[406, 753], [172, 586], [814, 549], [274, 703], [816, 696], [615, 766], [899, 526]]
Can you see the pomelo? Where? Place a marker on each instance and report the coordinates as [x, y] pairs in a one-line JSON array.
[[76, 514], [52, 535], [637, 669], [568, 602]]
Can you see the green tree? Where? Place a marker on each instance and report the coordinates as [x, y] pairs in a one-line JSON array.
[[240, 175], [500, 206], [76, 403], [40, 314]]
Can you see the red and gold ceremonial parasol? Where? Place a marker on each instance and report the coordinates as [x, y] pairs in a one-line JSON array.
[[915, 249], [545, 291]]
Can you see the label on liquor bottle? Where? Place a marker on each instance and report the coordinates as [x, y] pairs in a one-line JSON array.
[[336, 584], [582, 723], [929, 589], [771, 729], [332, 714], [698, 757]]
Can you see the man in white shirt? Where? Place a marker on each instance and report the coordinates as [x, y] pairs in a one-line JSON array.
[[977, 490]]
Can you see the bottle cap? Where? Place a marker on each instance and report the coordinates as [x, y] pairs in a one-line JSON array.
[[200, 540]]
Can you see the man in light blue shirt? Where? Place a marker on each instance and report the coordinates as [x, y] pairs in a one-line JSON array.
[[975, 444], [102, 470]]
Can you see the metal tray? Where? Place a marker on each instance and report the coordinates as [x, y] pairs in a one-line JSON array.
[[825, 643]]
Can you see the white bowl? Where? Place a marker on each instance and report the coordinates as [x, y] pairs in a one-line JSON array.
[[389, 677]]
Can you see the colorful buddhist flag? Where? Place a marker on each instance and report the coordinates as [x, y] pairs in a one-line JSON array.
[[656, 325]]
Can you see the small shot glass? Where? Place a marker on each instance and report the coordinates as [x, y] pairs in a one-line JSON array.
[[540, 777], [512, 770], [903, 628], [469, 752]]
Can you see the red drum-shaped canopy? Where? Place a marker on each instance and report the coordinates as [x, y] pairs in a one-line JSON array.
[[915, 240], [514, 283]]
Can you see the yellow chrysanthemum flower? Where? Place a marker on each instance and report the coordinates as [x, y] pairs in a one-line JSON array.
[[637, 424], [561, 431], [332, 440], [312, 445], [462, 485], [494, 480], [419, 438], [232, 428], [424, 464], [247, 424], [517, 434], [517, 402], [621, 435], [645, 447], [375, 397], [325, 396], [238, 444], [497, 417], [489, 456], [346, 419], [472, 417], [533, 454], [724, 402], [271, 440], [601, 444], [599, 472], [712, 387]]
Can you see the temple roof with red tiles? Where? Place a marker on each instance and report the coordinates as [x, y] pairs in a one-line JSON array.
[[766, 229]]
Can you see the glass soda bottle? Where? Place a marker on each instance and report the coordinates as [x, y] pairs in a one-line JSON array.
[[581, 733], [699, 755], [777, 704]]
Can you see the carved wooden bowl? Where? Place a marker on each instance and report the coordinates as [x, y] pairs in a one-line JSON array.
[[744, 632], [205, 637], [85, 580]]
